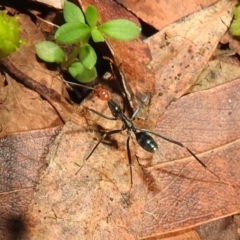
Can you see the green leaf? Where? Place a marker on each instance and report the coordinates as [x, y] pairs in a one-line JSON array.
[[91, 15], [235, 28], [50, 52], [97, 36], [82, 74], [87, 56], [70, 33], [120, 29], [72, 13]]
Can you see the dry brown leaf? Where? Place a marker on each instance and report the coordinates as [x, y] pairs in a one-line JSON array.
[[53, 3], [208, 126], [181, 51], [22, 109], [23, 65], [161, 15], [221, 229], [183, 235], [23, 153], [217, 72], [22, 156]]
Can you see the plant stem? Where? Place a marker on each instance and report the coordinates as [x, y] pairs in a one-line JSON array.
[[71, 58]]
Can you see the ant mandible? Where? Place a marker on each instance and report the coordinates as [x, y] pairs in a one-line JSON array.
[[143, 137]]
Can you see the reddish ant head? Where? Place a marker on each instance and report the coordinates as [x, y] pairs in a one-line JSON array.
[[102, 93]]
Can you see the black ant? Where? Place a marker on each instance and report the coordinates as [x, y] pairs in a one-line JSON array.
[[143, 137]]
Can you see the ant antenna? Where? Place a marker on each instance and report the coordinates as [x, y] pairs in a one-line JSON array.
[[78, 84], [101, 92]]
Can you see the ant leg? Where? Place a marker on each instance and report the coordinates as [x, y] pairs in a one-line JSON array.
[[100, 114], [174, 142], [129, 156], [122, 88], [139, 108], [100, 140], [181, 145], [124, 101], [78, 84]]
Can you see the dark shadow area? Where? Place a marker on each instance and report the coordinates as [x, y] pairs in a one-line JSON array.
[[147, 29], [12, 228]]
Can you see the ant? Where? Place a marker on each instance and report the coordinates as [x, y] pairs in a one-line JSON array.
[[143, 137]]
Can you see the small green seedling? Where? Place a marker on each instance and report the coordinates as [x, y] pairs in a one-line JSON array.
[[78, 30], [9, 34], [235, 26]]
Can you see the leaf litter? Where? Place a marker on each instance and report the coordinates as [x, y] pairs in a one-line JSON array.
[[97, 202]]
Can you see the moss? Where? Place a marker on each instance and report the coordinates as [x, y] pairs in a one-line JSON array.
[[9, 34]]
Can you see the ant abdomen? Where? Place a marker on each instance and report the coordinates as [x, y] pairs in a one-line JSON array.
[[146, 141]]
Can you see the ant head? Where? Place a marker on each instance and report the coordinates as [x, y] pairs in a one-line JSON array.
[[102, 93]]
